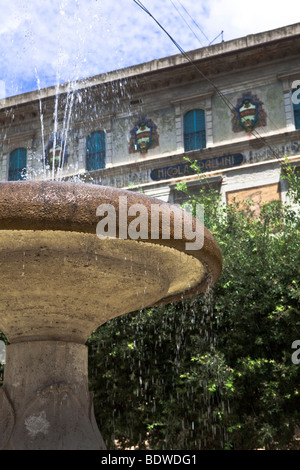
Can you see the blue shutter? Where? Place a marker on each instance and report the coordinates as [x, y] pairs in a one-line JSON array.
[[194, 130], [296, 107], [95, 151], [297, 115], [17, 165]]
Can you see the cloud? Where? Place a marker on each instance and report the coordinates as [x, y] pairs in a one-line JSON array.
[[239, 19], [2, 89], [61, 40]]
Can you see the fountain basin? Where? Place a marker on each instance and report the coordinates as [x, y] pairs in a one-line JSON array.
[[62, 281]]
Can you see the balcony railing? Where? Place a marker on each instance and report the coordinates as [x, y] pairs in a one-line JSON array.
[[194, 140], [95, 160], [17, 174]]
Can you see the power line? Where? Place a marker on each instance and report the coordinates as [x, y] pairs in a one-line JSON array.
[[139, 3], [195, 23], [227, 102], [186, 22]]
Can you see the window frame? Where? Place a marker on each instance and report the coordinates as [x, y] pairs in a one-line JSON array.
[[98, 155]]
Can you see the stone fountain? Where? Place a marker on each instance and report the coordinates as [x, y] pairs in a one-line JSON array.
[[59, 282]]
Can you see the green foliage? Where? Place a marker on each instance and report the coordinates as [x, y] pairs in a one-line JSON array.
[[291, 174], [214, 372], [158, 379]]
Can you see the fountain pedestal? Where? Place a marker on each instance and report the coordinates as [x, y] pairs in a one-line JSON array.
[[45, 402]]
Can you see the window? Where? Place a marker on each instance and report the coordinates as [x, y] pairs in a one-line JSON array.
[[194, 130], [95, 151], [297, 115], [296, 106], [17, 165]]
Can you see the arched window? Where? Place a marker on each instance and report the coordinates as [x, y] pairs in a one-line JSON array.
[[194, 130], [95, 151], [17, 165]]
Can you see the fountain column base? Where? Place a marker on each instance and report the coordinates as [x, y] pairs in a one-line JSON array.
[[44, 402]]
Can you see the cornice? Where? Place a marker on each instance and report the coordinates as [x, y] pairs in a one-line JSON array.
[[213, 60], [195, 96]]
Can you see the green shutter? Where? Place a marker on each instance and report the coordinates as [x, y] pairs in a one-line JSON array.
[[297, 115], [17, 165], [194, 130], [95, 151]]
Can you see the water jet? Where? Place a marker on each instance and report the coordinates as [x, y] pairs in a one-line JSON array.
[[60, 281]]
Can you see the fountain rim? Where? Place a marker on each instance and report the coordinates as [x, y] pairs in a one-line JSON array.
[[71, 207]]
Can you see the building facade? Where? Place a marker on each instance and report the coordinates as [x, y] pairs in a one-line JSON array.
[[233, 107]]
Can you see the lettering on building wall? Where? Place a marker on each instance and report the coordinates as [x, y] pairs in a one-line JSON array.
[[277, 151], [185, 169]]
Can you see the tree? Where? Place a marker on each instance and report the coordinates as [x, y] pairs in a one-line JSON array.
[[214, 372]]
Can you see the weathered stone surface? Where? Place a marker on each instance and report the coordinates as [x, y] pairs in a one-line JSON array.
[[7, 419], [47, 383]]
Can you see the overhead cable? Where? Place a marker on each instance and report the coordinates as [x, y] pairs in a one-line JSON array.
[[195, 23], [186, 22]]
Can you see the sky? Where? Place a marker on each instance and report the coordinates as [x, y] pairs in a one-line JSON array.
[[44, 43]]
